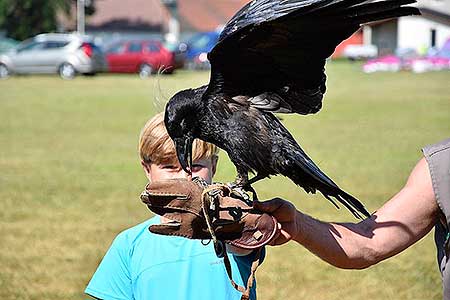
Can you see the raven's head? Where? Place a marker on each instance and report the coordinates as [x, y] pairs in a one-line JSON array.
[[181, 120]]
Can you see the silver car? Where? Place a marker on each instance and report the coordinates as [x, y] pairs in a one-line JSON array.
[[64, 54]]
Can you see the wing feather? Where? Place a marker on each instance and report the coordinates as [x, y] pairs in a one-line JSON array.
[[278, 49]]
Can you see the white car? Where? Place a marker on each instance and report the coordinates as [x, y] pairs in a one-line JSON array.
[[354, 52], [63, 54]]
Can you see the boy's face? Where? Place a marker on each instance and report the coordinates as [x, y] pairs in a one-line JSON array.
[[204, 168]]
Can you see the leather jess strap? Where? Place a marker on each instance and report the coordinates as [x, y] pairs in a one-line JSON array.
[[245, 291], [208, 197]]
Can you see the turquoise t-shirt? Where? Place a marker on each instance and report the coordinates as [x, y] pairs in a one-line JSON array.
[[142, 265]]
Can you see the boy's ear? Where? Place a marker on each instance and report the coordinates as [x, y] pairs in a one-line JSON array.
[[214, 161], [147, 169]]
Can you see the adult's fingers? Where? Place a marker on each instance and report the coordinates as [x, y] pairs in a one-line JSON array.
[[269, 206], [281, 238]]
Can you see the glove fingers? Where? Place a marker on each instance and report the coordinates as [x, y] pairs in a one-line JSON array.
[[155, 198], [166, 229], [172, 194], [178, 188]]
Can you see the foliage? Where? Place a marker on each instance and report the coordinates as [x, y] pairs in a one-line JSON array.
[[22, 19], [70, 177]]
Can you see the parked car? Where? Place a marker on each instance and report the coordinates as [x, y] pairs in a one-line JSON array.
[[406, 53], [7, 44], [355, 52], [409, 60], [390, 63], [179, 53], [198, 47], [431, 63], [435, 60], [142, 57], [64, 54]]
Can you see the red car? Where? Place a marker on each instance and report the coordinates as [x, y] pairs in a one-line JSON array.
[[142, 57]]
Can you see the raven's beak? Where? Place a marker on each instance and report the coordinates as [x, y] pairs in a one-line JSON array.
[[184, 153]]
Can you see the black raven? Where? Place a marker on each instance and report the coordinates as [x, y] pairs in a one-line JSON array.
[[270, 58]]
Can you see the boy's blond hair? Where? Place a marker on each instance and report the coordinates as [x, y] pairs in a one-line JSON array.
[[156, 147]]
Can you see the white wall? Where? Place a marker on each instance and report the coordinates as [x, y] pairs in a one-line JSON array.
[[415, 32]]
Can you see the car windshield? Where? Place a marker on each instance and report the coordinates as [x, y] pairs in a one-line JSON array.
[[153, 47], [135, 47], [171, 46], [117, 48], [25, 45], [200, 41]]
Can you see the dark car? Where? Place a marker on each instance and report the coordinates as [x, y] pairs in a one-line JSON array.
[[178, 50], [142, 57], [198, 47]]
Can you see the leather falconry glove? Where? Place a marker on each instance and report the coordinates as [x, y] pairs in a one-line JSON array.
[[216, 212]]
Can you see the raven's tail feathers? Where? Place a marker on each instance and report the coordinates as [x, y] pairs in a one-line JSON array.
[[308, 175], [350, 202]]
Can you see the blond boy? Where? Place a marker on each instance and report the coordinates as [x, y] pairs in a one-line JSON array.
[[143, 265]]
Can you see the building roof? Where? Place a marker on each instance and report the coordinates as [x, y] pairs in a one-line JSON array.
[[441, 7], [152, 15], [131, 14], [435, 10], [207, 15], [117, 15], [194, 15], [436, 16]]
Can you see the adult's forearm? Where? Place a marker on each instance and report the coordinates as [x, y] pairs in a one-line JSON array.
[[399, 223], [335, 243]]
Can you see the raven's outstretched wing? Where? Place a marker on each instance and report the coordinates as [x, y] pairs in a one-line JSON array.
[[274, 52]]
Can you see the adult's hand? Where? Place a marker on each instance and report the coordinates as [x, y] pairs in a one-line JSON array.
[[286, 215]]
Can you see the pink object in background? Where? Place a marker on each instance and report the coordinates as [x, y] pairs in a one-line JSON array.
[[389, 63]]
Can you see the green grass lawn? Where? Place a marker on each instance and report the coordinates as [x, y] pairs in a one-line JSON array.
[[70, 177]]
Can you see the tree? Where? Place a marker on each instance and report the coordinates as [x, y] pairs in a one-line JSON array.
[[22, 19]]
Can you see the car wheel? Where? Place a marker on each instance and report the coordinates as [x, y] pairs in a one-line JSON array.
[[169, 70], [145, 71], [4, 71], [66, 71]]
